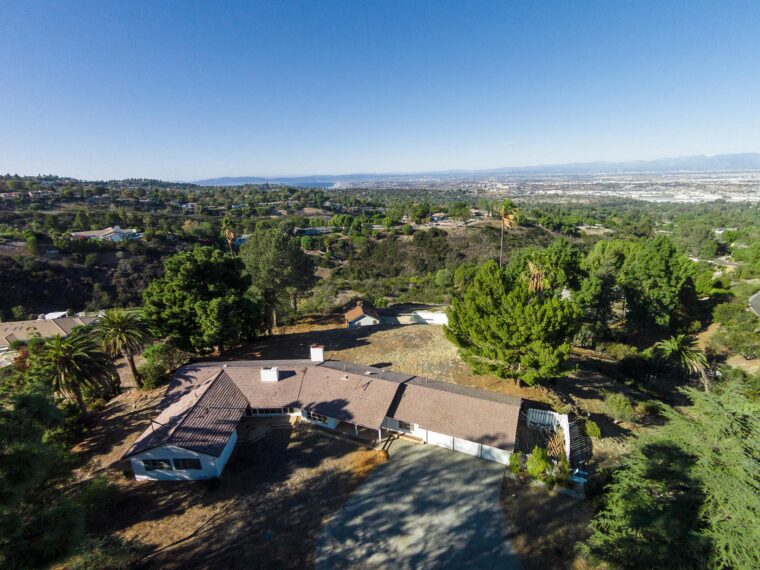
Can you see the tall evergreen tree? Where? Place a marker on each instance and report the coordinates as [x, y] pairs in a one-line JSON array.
[[280, 270], [201, 303], [501, 326], [688, 496]]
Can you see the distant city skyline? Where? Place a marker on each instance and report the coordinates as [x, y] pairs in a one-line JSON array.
[[191, 90]]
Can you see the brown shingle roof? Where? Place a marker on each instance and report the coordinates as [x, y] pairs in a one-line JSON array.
[[202, 420], [349, 392], [359, 311], [280, 394], [467, 413], [46, 328], [361, 399]]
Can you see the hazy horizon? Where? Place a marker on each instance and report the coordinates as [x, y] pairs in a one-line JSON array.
[[190, 91]]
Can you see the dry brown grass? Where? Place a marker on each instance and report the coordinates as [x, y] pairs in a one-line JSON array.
[[546, 526]]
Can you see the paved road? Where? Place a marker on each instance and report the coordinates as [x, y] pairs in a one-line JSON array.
[[424, 508], [754, 303]]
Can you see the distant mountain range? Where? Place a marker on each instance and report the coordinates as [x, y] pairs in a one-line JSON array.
[[698, 163]]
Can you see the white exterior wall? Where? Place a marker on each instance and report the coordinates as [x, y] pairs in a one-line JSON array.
[[494, 454], [221, 461], [208, 466], [365, 321], [211, 467], [453, 443]]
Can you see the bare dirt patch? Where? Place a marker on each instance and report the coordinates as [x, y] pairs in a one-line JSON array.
[[546, 526]]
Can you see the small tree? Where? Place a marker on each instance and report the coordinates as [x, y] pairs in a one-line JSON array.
[[619, 407], [681, 353], [516, 462], [592, 429], [538, 463]]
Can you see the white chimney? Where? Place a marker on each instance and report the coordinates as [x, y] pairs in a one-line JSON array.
[[270, 374], [317, 353]]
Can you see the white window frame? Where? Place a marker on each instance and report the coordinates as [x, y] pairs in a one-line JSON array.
[[157, 464]]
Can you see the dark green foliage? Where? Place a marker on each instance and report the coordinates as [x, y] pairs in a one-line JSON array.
[[658, 281], [201, 301], [279, 270], [166, 355], [153, 375], [37, 524], [592, 429], [538, 465], [502, 327], [688, 495], [619, 407], [516, 462]]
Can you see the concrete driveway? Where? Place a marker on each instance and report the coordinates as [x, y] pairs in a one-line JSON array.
[[424, 508]]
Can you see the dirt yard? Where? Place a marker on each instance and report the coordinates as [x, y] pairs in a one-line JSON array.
[[546, 526], [264, 512]]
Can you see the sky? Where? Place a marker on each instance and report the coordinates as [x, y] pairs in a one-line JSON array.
[[188, 90]]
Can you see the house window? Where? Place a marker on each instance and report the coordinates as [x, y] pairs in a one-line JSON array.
[[405, 426], [154, 464], [187, 463], [315, 417]]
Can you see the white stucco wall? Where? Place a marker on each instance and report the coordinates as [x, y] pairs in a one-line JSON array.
[[211, 467], [365, 321], [208, 465], [453, 443]]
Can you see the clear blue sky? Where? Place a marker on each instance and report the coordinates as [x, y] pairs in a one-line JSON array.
[[188, 90]]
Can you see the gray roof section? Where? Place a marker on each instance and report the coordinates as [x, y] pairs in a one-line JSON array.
[[361, 399], [204, 402], [202, 420], [463, 412]]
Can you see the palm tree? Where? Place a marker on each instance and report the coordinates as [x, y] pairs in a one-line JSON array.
[[681, 353], [228, 234], [77, 364], [122, 332], [536, 277], [508, 215]]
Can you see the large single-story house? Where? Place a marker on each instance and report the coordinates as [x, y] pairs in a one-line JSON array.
[[195, 433], [114, 234], [362, 314]]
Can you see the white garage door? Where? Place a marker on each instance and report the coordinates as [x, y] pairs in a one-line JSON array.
[[494, 454], [468, 447], [440, 440]]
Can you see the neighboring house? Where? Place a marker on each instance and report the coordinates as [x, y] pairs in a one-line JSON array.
[[44, 328], [363, 314], [313, 231], [195, 434], [114, 234]]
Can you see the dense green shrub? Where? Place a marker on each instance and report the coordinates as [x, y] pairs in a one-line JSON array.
[[592, 429], [619, 407], [515, 462], [153, 375], [538, 463], [167, 356], [648, 408]]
